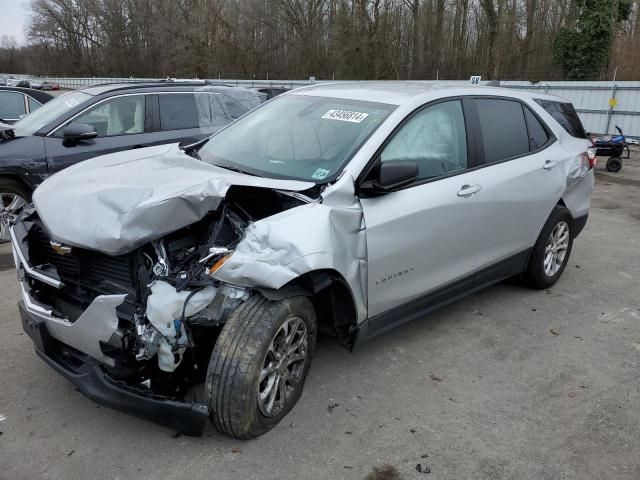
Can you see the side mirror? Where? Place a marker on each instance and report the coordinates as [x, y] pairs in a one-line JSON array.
[[77, 132], [390, 175]]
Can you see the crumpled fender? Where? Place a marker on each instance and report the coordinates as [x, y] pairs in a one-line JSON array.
[[311, 237]]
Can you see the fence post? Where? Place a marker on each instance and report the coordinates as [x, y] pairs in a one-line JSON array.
[[610, 111]]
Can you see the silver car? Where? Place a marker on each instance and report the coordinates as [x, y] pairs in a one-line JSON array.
[[345, 209]]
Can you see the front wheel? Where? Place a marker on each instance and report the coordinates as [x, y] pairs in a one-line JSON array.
[[259, 364], [551, 252], [13, 198]]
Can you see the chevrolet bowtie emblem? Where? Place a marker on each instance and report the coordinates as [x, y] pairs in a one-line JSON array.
[[59, 248]]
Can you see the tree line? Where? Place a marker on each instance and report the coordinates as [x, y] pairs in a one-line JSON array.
[[342, 39]]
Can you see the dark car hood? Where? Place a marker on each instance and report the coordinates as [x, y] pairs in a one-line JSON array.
[[118, 202]]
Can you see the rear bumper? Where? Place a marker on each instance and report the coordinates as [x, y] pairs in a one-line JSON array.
[[91, 380]]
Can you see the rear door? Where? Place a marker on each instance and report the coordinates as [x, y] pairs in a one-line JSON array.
[[521, 176], [122, 122]]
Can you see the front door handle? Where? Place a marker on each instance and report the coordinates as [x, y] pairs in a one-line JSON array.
[[468, 190], [549, 164]]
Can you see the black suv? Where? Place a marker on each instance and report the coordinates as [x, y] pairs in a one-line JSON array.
[[104, 119]]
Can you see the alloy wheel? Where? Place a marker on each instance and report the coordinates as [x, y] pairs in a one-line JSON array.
[[10, 205], [283, 367], [556, 249]]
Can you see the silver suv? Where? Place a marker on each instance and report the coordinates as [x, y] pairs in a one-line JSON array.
[[346, 209]]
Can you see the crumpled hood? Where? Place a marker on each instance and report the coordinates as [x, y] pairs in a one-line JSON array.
[[118, 202]]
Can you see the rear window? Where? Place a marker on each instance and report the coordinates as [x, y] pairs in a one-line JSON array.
[[178, 111], [504, 131], [200, 109], [565, 115]]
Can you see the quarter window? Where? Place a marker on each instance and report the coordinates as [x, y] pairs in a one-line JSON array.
[[11, 105], [435, 139], [33, 104], [504, 131], [119, 116], [537, 134], [565, 115]]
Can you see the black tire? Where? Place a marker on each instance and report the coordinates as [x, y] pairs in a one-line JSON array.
[[614, 164], [535, 275], [9, 185], [237, 359]]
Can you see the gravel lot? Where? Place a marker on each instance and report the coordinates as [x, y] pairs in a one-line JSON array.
[[506, 384]]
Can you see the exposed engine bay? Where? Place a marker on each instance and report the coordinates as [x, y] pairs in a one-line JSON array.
[[173, 310]]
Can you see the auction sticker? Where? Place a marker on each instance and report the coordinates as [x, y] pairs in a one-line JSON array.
[[320, 174], [345, 116]]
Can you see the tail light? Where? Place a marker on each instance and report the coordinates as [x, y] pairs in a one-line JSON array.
[[591, 157]]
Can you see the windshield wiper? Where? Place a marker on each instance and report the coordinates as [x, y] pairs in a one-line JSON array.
[[194, 147], [235, 169]]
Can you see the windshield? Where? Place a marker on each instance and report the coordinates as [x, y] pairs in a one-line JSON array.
[[48, 113], [296, 136]]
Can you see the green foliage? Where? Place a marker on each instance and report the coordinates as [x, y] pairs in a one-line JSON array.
[[584, 51], [624, 10]]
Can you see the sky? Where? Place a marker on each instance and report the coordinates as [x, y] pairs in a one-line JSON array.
[[14, 16]]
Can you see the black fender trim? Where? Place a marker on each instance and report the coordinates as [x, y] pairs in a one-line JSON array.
[[579, 223]]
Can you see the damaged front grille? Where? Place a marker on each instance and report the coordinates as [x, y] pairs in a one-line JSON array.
[[84, 273]]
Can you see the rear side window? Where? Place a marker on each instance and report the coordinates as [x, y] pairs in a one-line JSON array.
[[504, 131], [178, 111], [538, 136], [565, 115], [11, 105]]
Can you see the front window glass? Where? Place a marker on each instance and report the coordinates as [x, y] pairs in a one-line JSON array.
[[435, 139], [296, 136], [119, 116], [49, 112]]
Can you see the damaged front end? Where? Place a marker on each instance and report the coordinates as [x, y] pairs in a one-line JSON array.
[[135, 330]]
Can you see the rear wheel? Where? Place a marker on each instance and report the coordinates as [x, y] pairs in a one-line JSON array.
[[551, 252], [259, 364], [614, 164], [13, 197]]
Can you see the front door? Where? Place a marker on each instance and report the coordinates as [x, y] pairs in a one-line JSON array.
[[121, 122], [424, 236]]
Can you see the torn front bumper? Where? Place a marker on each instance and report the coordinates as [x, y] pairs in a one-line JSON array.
[[73, 350], [92, 381]]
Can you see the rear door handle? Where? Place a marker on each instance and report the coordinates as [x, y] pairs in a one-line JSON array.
[[468, 190], [549, 164]]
